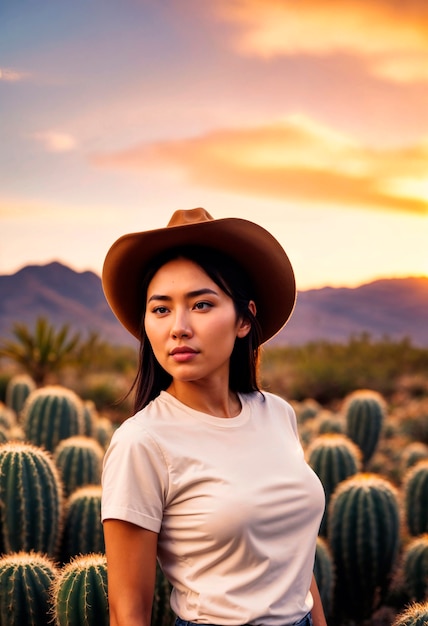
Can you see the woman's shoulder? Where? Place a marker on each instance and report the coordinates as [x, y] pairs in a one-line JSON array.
[[268, 399]]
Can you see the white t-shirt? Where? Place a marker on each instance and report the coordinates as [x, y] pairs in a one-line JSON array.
[[236, 506]]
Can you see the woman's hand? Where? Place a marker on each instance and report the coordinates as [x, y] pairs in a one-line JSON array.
[[131, 567]]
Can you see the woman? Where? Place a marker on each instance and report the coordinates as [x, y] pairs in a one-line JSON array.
[[208, 476]]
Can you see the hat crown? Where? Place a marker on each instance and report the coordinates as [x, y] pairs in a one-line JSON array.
[[190, 216]]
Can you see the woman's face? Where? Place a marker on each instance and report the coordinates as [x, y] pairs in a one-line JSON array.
[[191, 322]]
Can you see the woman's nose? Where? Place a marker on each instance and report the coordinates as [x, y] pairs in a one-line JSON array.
[[181, 327]]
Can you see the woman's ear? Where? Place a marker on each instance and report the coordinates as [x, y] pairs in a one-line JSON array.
[[245, 322]]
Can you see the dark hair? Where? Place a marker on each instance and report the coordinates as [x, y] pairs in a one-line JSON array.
[[151, 378]]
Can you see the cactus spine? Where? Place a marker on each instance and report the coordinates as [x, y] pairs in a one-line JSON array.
[[18, 389], [25, 582], [83, 531], [31, 497], [333, 458], [415, 487], [51, 414], [414, 615], [79, 460], [364, 414], [80, 593], [363, 532]]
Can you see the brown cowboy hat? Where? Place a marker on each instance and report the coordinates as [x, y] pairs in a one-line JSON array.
[[253, 248]]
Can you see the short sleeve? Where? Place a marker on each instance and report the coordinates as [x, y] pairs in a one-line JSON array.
[[134, 479]]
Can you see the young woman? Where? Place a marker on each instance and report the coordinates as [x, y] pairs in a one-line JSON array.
[[208, 476]]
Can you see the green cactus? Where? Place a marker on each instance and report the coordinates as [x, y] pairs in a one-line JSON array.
[[90, 416], [31, 500], [103, 431], [18, 389], [333, 458], [364, 536], [4, 437], [7, 417], [80, 592], [324, 574], [364, 413], [412, 454], [83, 531], [25, 582], [51, 414], [79, 460], [414, 615], [414, 569], [415, 489]]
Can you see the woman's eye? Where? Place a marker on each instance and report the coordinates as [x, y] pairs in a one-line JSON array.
[[160, 310], [201, 306]]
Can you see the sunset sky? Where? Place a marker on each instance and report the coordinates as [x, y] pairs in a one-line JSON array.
[[309, 117]]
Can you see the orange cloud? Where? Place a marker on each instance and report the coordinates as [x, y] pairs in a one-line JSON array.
[[294, 159], [55, 141], [392, 36], [11, 76]]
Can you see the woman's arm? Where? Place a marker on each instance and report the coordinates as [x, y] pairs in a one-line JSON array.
[[131, 567], [318, 616]]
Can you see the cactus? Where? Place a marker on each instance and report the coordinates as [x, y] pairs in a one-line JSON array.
[[324, 573], [333, 458], [79, 460], [363, 533], [25, 582], [364, 414], [83, 531], [413, 453], [7, 417], [51, 414], [415, 615], [80, 592], [89, 418], [18, 389], [31, 500], [103, 431], [414, 569], [415, 488]]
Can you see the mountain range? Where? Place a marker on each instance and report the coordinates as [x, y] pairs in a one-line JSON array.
[[393, 307]]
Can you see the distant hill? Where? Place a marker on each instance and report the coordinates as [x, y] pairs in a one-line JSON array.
[[396, 308]]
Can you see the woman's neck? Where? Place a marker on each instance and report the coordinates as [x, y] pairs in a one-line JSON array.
[[211, 399]]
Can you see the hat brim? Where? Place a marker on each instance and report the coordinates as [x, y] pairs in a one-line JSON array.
[[249, 244]]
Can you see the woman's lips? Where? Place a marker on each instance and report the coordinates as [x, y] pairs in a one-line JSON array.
[[183, 354]]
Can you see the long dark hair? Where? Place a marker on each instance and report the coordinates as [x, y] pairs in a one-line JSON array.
[[151, 378]]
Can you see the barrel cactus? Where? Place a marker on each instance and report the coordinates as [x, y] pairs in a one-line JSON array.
[[103, 431], [413, 453], [415, 488], [90, 416], [324, 573], [51, 414], [414, 615], [31, 497], [413, 572], [80, 592], [18, 389], [364, 536], [333, 458], [364, 414], [25, 583], [83, 531], [7, 417], [79, 460]]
